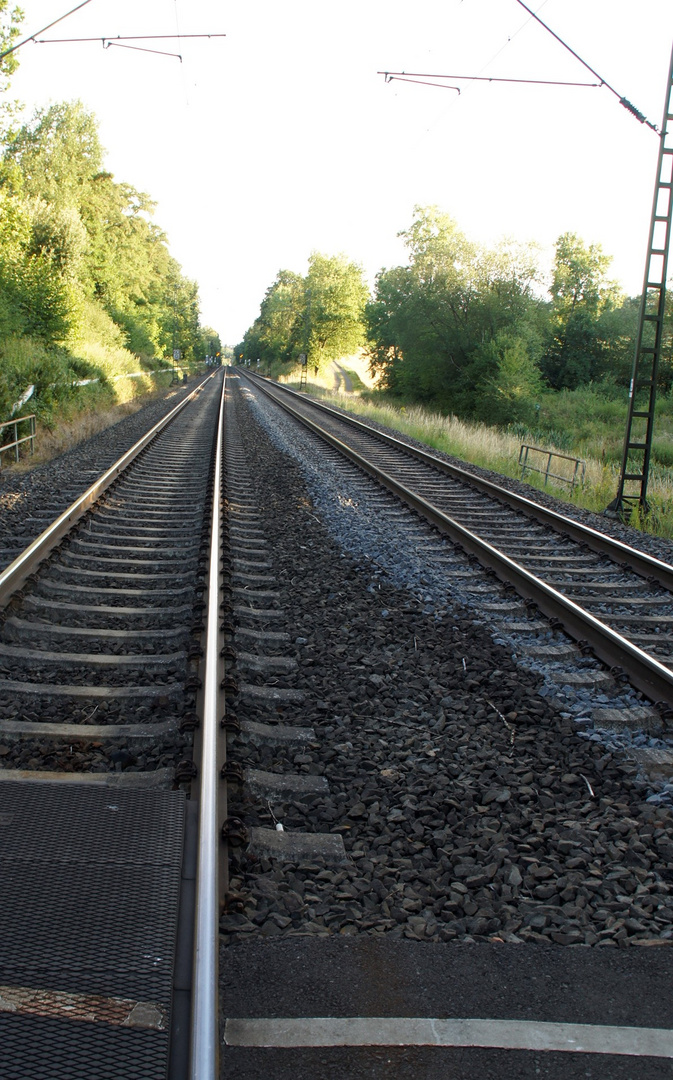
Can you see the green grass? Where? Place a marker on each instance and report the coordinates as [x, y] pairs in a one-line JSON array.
[[358, 385]]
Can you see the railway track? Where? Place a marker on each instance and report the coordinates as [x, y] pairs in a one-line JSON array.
[[391, 773], [614, 600], [109, 695], [445, 827]]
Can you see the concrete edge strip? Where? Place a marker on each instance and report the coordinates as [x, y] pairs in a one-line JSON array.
[[420, 1031], [59, 1005]]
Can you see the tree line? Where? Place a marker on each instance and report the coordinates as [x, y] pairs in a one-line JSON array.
[[70, 231], [471, 329], [74, 241]]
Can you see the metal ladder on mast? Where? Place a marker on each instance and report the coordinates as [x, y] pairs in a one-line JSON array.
[[632, 490]]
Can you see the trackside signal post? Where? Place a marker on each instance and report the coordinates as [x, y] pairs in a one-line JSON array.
[[632, 490]]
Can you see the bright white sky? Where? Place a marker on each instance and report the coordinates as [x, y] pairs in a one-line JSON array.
[[281, 139]]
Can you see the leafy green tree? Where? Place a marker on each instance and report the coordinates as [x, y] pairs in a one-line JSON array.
[[508, 394], [333, 317], [321, 315], [58, 152], [578, 350], [36, 298], [433, 325], [384, 319], [96, 235], [209, 344], [275, 336], [10, 22]]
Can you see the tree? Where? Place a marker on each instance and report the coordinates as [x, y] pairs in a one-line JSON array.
[[333, 317], [36, 298], [58, 152], [10, 22], [85, 235], [321, 315], [275, 336], [508, 394], [432, 323], [581, 294]]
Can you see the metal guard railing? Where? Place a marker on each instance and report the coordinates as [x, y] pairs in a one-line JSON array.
[[30, 419], [579, 469]]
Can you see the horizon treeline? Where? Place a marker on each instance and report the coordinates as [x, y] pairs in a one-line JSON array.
[[472, 330]]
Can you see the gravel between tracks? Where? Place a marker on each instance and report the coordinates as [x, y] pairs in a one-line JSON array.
[[463, 796]]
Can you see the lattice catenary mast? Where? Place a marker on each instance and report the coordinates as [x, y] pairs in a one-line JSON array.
[[632, 490]]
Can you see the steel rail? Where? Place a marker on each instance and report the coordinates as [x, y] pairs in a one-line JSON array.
[[25, 564], [204, 1057], [638, 561], [644, 671]]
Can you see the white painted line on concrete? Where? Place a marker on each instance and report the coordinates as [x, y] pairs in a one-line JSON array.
[[419, 1031]]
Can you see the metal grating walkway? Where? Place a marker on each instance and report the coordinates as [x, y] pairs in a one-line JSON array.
[[89, 894]]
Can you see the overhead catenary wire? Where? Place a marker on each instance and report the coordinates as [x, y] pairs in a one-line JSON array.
[[47, 27], [400, 76], [412, 77], [500, 50], [139, 48], [622, 100], [415, 76], [117, 37], [182, 70]]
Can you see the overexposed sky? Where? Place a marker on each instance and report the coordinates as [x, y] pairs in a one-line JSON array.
[[281, 138]]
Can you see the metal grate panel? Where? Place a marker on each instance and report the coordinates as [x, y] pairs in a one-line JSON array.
[[99, 930], [89, 895], [47, 822], [39, 1049]]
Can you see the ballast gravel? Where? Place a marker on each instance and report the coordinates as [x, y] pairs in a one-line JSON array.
[[372, 525], [469, 807]]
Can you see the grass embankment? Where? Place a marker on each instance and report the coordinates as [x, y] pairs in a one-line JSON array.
[[587, 423], [79, 389]]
